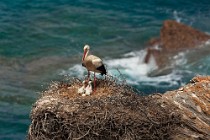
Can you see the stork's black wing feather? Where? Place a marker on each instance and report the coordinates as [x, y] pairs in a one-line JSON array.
[[102, 69], [83, 65]]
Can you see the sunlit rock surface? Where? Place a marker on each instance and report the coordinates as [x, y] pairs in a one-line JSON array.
[[193, 102], [115, 111]]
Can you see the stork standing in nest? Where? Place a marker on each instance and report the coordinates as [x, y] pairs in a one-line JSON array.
[[92, 63]]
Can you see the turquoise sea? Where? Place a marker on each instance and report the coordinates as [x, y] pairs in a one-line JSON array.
[[42, 40]]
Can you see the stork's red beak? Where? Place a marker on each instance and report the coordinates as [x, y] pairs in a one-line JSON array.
[[85, 51]]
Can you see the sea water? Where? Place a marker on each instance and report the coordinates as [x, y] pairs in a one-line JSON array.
[[42, 40]]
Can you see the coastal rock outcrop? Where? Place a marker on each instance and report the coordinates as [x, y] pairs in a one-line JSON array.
[[193, 102], [115, 111], [174, 37]]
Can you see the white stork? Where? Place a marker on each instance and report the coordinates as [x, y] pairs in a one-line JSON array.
[[92, 63]]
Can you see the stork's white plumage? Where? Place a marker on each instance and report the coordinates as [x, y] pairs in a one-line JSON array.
[[89, 88], [92, 63], [82, 89]]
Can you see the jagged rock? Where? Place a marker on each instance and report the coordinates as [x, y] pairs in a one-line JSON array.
[[115, 111], [174, 37]]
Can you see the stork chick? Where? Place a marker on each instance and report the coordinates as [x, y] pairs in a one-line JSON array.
[[89, 88], [82, 89]]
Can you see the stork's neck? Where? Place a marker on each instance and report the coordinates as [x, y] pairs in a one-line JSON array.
[[86, 53]]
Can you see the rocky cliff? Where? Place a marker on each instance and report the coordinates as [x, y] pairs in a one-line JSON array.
[[115, 111]]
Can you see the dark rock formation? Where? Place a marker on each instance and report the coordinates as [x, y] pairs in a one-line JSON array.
[[115, 111], [174, 37]]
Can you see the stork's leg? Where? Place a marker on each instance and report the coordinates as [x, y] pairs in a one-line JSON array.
[[88, 75], [94, 88]]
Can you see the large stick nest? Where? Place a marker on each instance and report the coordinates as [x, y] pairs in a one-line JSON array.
[[114, 111]]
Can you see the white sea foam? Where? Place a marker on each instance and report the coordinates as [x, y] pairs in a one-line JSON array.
[[132, 67], [180, 59], [74, 71], [135, 72]]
